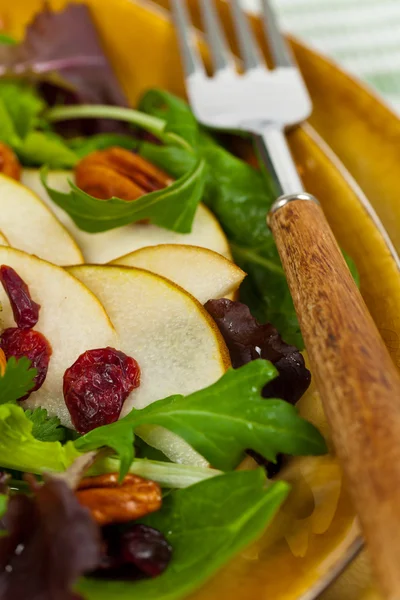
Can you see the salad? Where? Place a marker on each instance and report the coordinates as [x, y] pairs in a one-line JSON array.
[[150, 355]]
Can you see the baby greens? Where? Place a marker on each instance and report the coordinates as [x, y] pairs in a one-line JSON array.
[[220, 422], [206, 524], [240, 196]]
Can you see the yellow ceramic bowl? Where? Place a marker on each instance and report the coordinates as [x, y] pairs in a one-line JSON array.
[[315, 534]]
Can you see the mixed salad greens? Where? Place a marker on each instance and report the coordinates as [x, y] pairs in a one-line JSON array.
[[59, 103]]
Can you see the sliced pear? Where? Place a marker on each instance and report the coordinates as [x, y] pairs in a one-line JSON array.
[[177, 345], [104, 247], [71, 317], [29, 225], [3, 240], [201, 272]]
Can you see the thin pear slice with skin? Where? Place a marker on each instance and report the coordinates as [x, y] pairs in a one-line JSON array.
[[29, 225], [200, 271], [71, 318], [100, 248], [176, 343], [3, 240]]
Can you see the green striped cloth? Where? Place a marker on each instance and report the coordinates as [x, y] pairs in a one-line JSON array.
[[362, 35]]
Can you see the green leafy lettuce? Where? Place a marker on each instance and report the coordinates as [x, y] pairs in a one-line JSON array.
[[21, 121], [21, 451], [206, 524]]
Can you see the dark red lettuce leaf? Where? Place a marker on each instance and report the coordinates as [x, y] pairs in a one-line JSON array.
[[248, 340], [51, 541], [62, 51]]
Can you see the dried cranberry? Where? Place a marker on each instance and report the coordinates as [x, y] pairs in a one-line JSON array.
[[32, 344], [133, 553], [97, 385], [146, 548], [25, 310]]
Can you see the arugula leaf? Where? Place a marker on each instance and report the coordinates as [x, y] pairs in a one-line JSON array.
[[17, 380], [220, 422], [45, 428], [173, 207], [118, 436], [206, 524], [21, 451]]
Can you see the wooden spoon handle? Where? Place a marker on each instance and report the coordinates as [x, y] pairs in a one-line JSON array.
[[357, 380]]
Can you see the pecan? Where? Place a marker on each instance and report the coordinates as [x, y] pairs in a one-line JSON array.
[[9, 163], [111, 502], [118, 172]]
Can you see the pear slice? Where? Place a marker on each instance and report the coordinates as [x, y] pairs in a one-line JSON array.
[[176, 343], [71, 318], [29, 225], [201, 272], [3, 240], [104, 247]]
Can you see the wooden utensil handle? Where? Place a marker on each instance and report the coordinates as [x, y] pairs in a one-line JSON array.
[[357, 380]]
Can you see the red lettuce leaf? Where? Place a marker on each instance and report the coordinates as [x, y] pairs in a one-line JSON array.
[[51, 541], [62, 52], [248, 340]]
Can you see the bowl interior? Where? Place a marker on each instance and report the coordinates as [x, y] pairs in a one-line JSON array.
[[315, 533]]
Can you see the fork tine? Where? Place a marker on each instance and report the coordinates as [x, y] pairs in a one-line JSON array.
[[220, 52], [280, 51], [250, 52], [192, 61]]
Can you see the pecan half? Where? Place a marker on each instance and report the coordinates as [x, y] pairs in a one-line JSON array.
[[111, 502], [9, 163], [118, 172]]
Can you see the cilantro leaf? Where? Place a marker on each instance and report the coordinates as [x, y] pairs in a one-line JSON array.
[[21, 451], [206, 524], [17, 380], [220, 422], [45, 428], [173, 207]]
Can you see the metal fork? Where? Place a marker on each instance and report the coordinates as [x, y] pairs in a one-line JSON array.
[[357, 380]]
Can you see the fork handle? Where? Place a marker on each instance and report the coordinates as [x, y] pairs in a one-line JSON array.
[[357, 380]]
